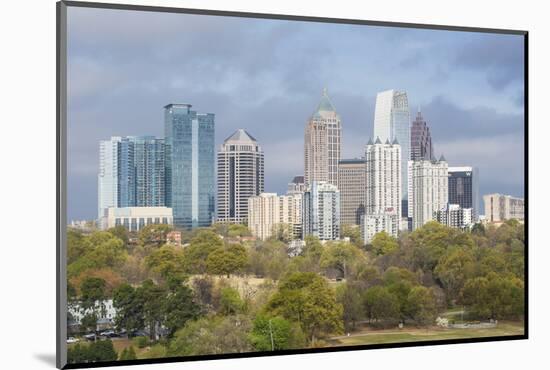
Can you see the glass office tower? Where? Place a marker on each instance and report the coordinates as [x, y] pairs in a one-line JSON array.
[[464, 188], [189, 147], [391, 122]]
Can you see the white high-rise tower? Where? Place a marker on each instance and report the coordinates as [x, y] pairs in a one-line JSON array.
[[391, 122]]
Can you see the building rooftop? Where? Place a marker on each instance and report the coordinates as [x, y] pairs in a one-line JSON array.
[[241, 135]]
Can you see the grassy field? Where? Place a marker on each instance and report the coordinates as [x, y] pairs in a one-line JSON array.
[[371, 336]]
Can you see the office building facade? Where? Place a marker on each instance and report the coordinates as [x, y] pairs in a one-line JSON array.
[[374, 223], [421, 140], [322, 144], [392, 122], [453, 215], [190, 182], [269, 211], [352, 185], [321, 211], [464, 188], [240, 176], [429, 190], [499, 207], [297, 185]]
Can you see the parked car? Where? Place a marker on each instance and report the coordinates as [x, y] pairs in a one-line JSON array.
[[108, 334], [71, 340], [90, 337]]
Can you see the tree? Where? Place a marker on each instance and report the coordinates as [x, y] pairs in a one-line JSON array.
[[89, 322], [152, 297], [281, 232], [167, 261], [99, 250], [212, 335], [204, 243], [494, 296], [349, 296], [120, 232], [454, 268], [353, 233], [307, 299], [275, 333], [129, 307], [179, 307], [383, 243], [340, 256], [421, 305], [231, 302], [381, 304], [102, 350], [225, 261], [237, 230], [154, 235]]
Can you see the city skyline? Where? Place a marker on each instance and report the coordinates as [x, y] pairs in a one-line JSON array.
[[486, 133]]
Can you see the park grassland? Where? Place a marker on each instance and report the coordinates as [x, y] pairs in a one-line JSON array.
[[366, 337]]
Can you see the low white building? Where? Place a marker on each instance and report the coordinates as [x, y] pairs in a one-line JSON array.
[[135, 218], [105, 311], [500, 207], [373, 223], [455, 216]]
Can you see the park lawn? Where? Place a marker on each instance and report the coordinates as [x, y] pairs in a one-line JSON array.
[[416, 335]]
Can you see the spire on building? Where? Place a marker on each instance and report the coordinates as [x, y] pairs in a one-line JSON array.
[[395, 141], [325, 104], [442, 158], [370, 141], [241, 135], [378, 140]]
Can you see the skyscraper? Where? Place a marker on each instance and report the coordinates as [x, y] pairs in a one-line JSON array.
[[383, 177], [189, 146], [131, 173], [321, 211], [453, 215], [322, 144], [391, 122], [352, 185], [429, 185], [421, 140], [149, 171], [240, 176], [464, 188]]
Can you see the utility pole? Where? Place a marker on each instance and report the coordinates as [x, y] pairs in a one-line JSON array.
[[271, 336]]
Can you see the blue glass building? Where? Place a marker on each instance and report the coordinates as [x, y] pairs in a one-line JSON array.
[[189, 174]]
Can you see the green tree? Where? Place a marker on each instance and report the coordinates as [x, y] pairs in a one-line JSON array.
[[212, 335], [352, 232], [196, 254], [226, 261], [308, 299], [101, 350], [129, 307], [179, 307], [236, 230], [381, 304], [275, 333], [349, 296], [383, 243], [455, 267], [153, 236], [100, 249], [230, 301], [167, 261], [153, 297], [341, 256], [120, 232], [421, 305]]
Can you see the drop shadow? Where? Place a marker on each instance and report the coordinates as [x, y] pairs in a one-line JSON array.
[[47, 358]]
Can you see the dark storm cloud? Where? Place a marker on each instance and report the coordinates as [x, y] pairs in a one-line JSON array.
[[267, 76], [499, 56]]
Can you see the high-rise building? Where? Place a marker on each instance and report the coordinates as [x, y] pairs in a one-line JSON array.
[[322, 144], [240, 176], [269, 211], [189, 146], [453, 215], [421, 140], [135, 218], [131, 173], [500, 207], [149, 159], [297, 185], [383, 177], [321, 211], [429, 190], [372, 224], [464, 188], [392, 122], [352, 185]]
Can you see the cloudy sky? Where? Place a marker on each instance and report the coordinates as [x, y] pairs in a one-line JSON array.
[[266, 76]]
